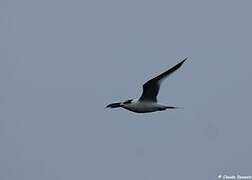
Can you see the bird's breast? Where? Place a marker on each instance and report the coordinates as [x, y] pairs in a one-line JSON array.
[[142, 107]]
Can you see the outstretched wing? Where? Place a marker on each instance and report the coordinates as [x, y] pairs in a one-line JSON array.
[[151, 87]]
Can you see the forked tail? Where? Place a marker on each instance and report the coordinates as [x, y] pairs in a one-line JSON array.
[[173, 107]]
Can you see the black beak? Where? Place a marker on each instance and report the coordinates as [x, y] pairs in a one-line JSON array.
[[114, 105]]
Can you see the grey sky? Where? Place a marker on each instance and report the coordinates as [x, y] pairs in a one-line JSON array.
[[62, 61]]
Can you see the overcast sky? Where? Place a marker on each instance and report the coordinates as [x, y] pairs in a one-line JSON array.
[[62, 62]]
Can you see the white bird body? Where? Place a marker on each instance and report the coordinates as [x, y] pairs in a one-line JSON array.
[[148, 100], [143, 106]]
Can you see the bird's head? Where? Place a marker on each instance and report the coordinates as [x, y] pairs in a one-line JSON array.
[[120, 104], [129, 101]]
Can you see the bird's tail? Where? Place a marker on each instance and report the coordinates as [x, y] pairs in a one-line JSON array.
[[173, 107]]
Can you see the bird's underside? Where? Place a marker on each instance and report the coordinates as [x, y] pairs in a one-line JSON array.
[[146, 107]]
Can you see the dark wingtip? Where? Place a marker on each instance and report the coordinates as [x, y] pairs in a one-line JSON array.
[[183, 60], [174, 68]]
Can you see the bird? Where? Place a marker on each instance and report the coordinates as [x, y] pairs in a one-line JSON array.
[[147, 102]]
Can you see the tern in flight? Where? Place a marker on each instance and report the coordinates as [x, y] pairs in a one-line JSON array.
[[148, 100]]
